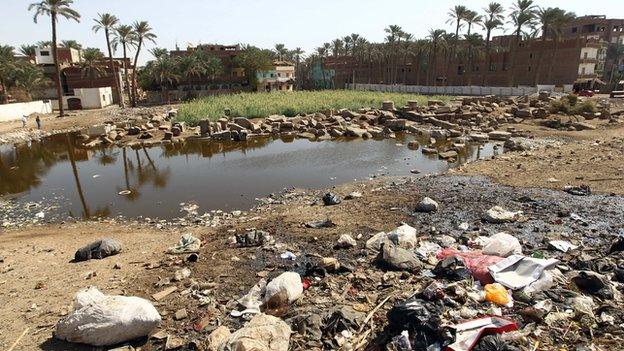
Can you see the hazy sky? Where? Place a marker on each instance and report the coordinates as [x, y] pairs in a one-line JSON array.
[[260, 22]]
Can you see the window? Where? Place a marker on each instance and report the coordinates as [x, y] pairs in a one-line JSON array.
[[529, 68], [583, 71], [460, 70], [574, 29], [492, 67], [531, 55], [585, 55], [45, 53]]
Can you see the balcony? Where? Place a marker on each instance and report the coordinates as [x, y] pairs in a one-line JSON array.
[[589, 60]]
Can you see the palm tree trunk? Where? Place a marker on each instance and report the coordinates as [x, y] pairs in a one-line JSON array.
[[134, 85], [112, 67], [554, 58], [323, 72], [125, 56], [59, 88], [5, 93], [487, 57], [513, 51]]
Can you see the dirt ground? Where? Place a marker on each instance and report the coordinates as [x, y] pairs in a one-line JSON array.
[[590, 157], [38, 281]]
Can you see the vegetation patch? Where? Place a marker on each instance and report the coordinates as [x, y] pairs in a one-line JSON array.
[[253, 105], [571, 105]]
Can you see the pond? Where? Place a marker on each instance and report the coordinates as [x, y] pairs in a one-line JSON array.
[[153, 182]]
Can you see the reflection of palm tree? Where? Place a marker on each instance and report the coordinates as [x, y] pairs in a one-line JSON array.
[[70, 151], [105, 159], [134, 193]]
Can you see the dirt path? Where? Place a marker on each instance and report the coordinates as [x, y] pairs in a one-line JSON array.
[[38, 282]]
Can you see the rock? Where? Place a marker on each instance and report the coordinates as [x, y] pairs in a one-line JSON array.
[[330, 264], [330, 199], [426, 205], [448, 155], [498, 214], [404, 236], [180, 314], [376, 241], [217, 337], [346, 241], [176, 131], [503, 245], [262, 333], [387, 105], [397, 258], [429, 151], [102, 320], [98, 250], [146, 135], [244, 122], [204, 127], [353, 195], [499, 135], [290, 282], [413, 145]]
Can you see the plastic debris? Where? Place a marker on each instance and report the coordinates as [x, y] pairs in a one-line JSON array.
[[187, 244], [467, 334], [476, 262], [497, 294], [498, 214], [562, 245], [503, 245], [98, 250], [518, 271], [330, 199]]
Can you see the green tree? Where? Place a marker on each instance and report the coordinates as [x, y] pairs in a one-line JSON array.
[[28, 50], [457, 15], [493, 20], [107, 22], [71, 44], [522, 16], [30, 78], [7, 71], [142, 33], [54, 9], [124, 36], [211, 65], [436, 37], [91, 64], [472, 18], [280, 51], [337, 47], [253, 60], [164, 72]]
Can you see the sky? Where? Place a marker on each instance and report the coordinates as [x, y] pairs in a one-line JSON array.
[[295, 23]]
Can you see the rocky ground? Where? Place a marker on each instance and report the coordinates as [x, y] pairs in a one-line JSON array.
[[350, 290]]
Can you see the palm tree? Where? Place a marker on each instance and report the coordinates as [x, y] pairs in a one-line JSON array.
[[30, 78], [189, 67], [159, 52], [164, 72], [55, 8], [7, 68], [494, 20], [322, 52], [280, 51], [44, 43], [436, 36], [337, 46], [456, 15], [124, 36], [297, 53], [562, 19], [617, 52], [91, 64], [71, 44], [522, 15], [475, 44], [107, 22], [28, 50], [142, 33], [472, 17], [347, 44]]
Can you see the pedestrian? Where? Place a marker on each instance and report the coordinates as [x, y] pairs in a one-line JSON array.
[[24, 120], [38, 121]]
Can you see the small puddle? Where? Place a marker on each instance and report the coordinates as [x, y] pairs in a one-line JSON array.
[[153, 182]]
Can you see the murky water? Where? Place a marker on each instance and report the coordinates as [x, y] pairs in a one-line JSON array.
[[226, 176]]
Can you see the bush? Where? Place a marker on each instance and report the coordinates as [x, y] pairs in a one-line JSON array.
[[587, 106], [572, 99], [560, 106]]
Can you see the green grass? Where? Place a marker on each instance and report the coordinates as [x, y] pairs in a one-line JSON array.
[[290, 104]]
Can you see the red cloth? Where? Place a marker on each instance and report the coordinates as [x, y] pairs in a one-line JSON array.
[[476, 262]]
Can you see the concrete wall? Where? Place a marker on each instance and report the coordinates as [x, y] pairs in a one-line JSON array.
[[586, 68], [11, 112], [90, 98], [447, 90], [592, 53]]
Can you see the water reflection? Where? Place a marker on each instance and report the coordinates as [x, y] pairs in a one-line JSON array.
[[217, 175]]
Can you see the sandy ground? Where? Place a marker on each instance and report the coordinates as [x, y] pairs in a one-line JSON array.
[[38, 281], [591, 157]]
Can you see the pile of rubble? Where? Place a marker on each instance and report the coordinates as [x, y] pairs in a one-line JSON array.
[[537, 271]]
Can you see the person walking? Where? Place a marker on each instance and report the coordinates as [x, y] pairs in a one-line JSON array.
[[24, 120], [38, 121]]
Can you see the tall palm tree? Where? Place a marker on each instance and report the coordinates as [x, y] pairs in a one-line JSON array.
[[493, 21], [475, 45], [91, 64], [29, 78], [522, 16], [124, 36], [164, 72], [298, 76], [107, 22], [142, 32], [436, 36], [347, 44], [280, 51], [337, 46], [562, 19], [54, 9], [190, 67], [472, 17], [457, 15], [322, 52], [7, 68], [71, 44]]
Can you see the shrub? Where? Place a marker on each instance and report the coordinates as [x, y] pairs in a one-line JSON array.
[[560, 106], [572, 99], [587, 106]]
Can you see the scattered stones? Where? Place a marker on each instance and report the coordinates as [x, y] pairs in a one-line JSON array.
[[426, 205], [346, 241]]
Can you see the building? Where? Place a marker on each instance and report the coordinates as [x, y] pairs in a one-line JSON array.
[[66, 56], [581, 58], [87, 98], [281, 77]]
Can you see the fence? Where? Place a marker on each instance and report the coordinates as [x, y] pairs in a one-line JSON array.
[[10, 112], [451, 90]]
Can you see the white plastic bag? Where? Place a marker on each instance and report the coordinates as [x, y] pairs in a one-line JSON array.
[[502, 245], [102, 320], [289, 282]]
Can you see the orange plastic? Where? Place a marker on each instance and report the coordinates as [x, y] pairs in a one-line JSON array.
[[496, 293]]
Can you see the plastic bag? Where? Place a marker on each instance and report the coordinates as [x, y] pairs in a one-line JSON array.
[[503, 245], [476, 262], [497, 294]]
